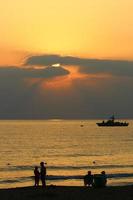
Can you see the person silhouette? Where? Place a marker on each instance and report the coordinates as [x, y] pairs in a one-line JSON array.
[[88, 179], [36, 176], [43, 173], [104, 178]]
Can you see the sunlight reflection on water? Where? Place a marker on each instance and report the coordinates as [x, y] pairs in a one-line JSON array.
[[66, 146]]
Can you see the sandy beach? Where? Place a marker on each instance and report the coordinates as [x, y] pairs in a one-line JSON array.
[[68, 193]]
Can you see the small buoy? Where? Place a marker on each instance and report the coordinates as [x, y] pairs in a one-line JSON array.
[[8, 163]]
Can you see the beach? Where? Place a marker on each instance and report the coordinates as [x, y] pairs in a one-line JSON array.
[[68, 192]]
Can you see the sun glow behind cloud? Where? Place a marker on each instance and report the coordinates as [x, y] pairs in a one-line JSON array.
[[56, 65], [66, 82]]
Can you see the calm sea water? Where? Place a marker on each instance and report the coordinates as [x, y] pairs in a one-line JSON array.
[[69, 149]]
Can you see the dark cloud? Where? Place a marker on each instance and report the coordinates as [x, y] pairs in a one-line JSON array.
[[114, 67], [18, 100], [48, 72], [107, 96]]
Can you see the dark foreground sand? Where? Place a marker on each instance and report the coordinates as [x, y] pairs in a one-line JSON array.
[[68, 193]]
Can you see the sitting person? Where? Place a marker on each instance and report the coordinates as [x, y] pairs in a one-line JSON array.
[[88, 179], [104, 178], [100, 180]]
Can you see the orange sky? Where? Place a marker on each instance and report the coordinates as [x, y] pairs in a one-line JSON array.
[[100, 29]]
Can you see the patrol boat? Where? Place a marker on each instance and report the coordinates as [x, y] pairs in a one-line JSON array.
[[112, 122]]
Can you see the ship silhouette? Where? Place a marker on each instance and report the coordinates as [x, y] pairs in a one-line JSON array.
[[111, 122]]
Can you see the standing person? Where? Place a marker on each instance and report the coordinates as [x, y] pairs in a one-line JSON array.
[[88, 179], [37, 176], [43, 173]]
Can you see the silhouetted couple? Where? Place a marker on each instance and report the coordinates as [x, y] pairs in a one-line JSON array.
[[96, 180], [40, 175]]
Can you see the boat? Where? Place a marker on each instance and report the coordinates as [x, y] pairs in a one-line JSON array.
[[112, 122]]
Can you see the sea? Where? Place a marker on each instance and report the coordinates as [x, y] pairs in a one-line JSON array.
[[69, 148]]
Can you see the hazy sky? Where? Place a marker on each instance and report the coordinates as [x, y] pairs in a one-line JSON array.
[[66, 59]]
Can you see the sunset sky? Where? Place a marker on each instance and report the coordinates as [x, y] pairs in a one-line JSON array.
[[66, 59]]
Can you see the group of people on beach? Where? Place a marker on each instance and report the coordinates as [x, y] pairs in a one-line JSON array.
[[40, 175], [96, 180]]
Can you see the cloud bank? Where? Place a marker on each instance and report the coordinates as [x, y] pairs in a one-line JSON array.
[[114, 67], [24, 91], [48, 72]]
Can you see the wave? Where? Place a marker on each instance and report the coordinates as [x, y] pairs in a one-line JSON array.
[[76, 177], [16, 180], [63, 178], [28, 167], [89, 167]]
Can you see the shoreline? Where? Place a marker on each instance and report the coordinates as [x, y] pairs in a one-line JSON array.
[[68, 192]]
